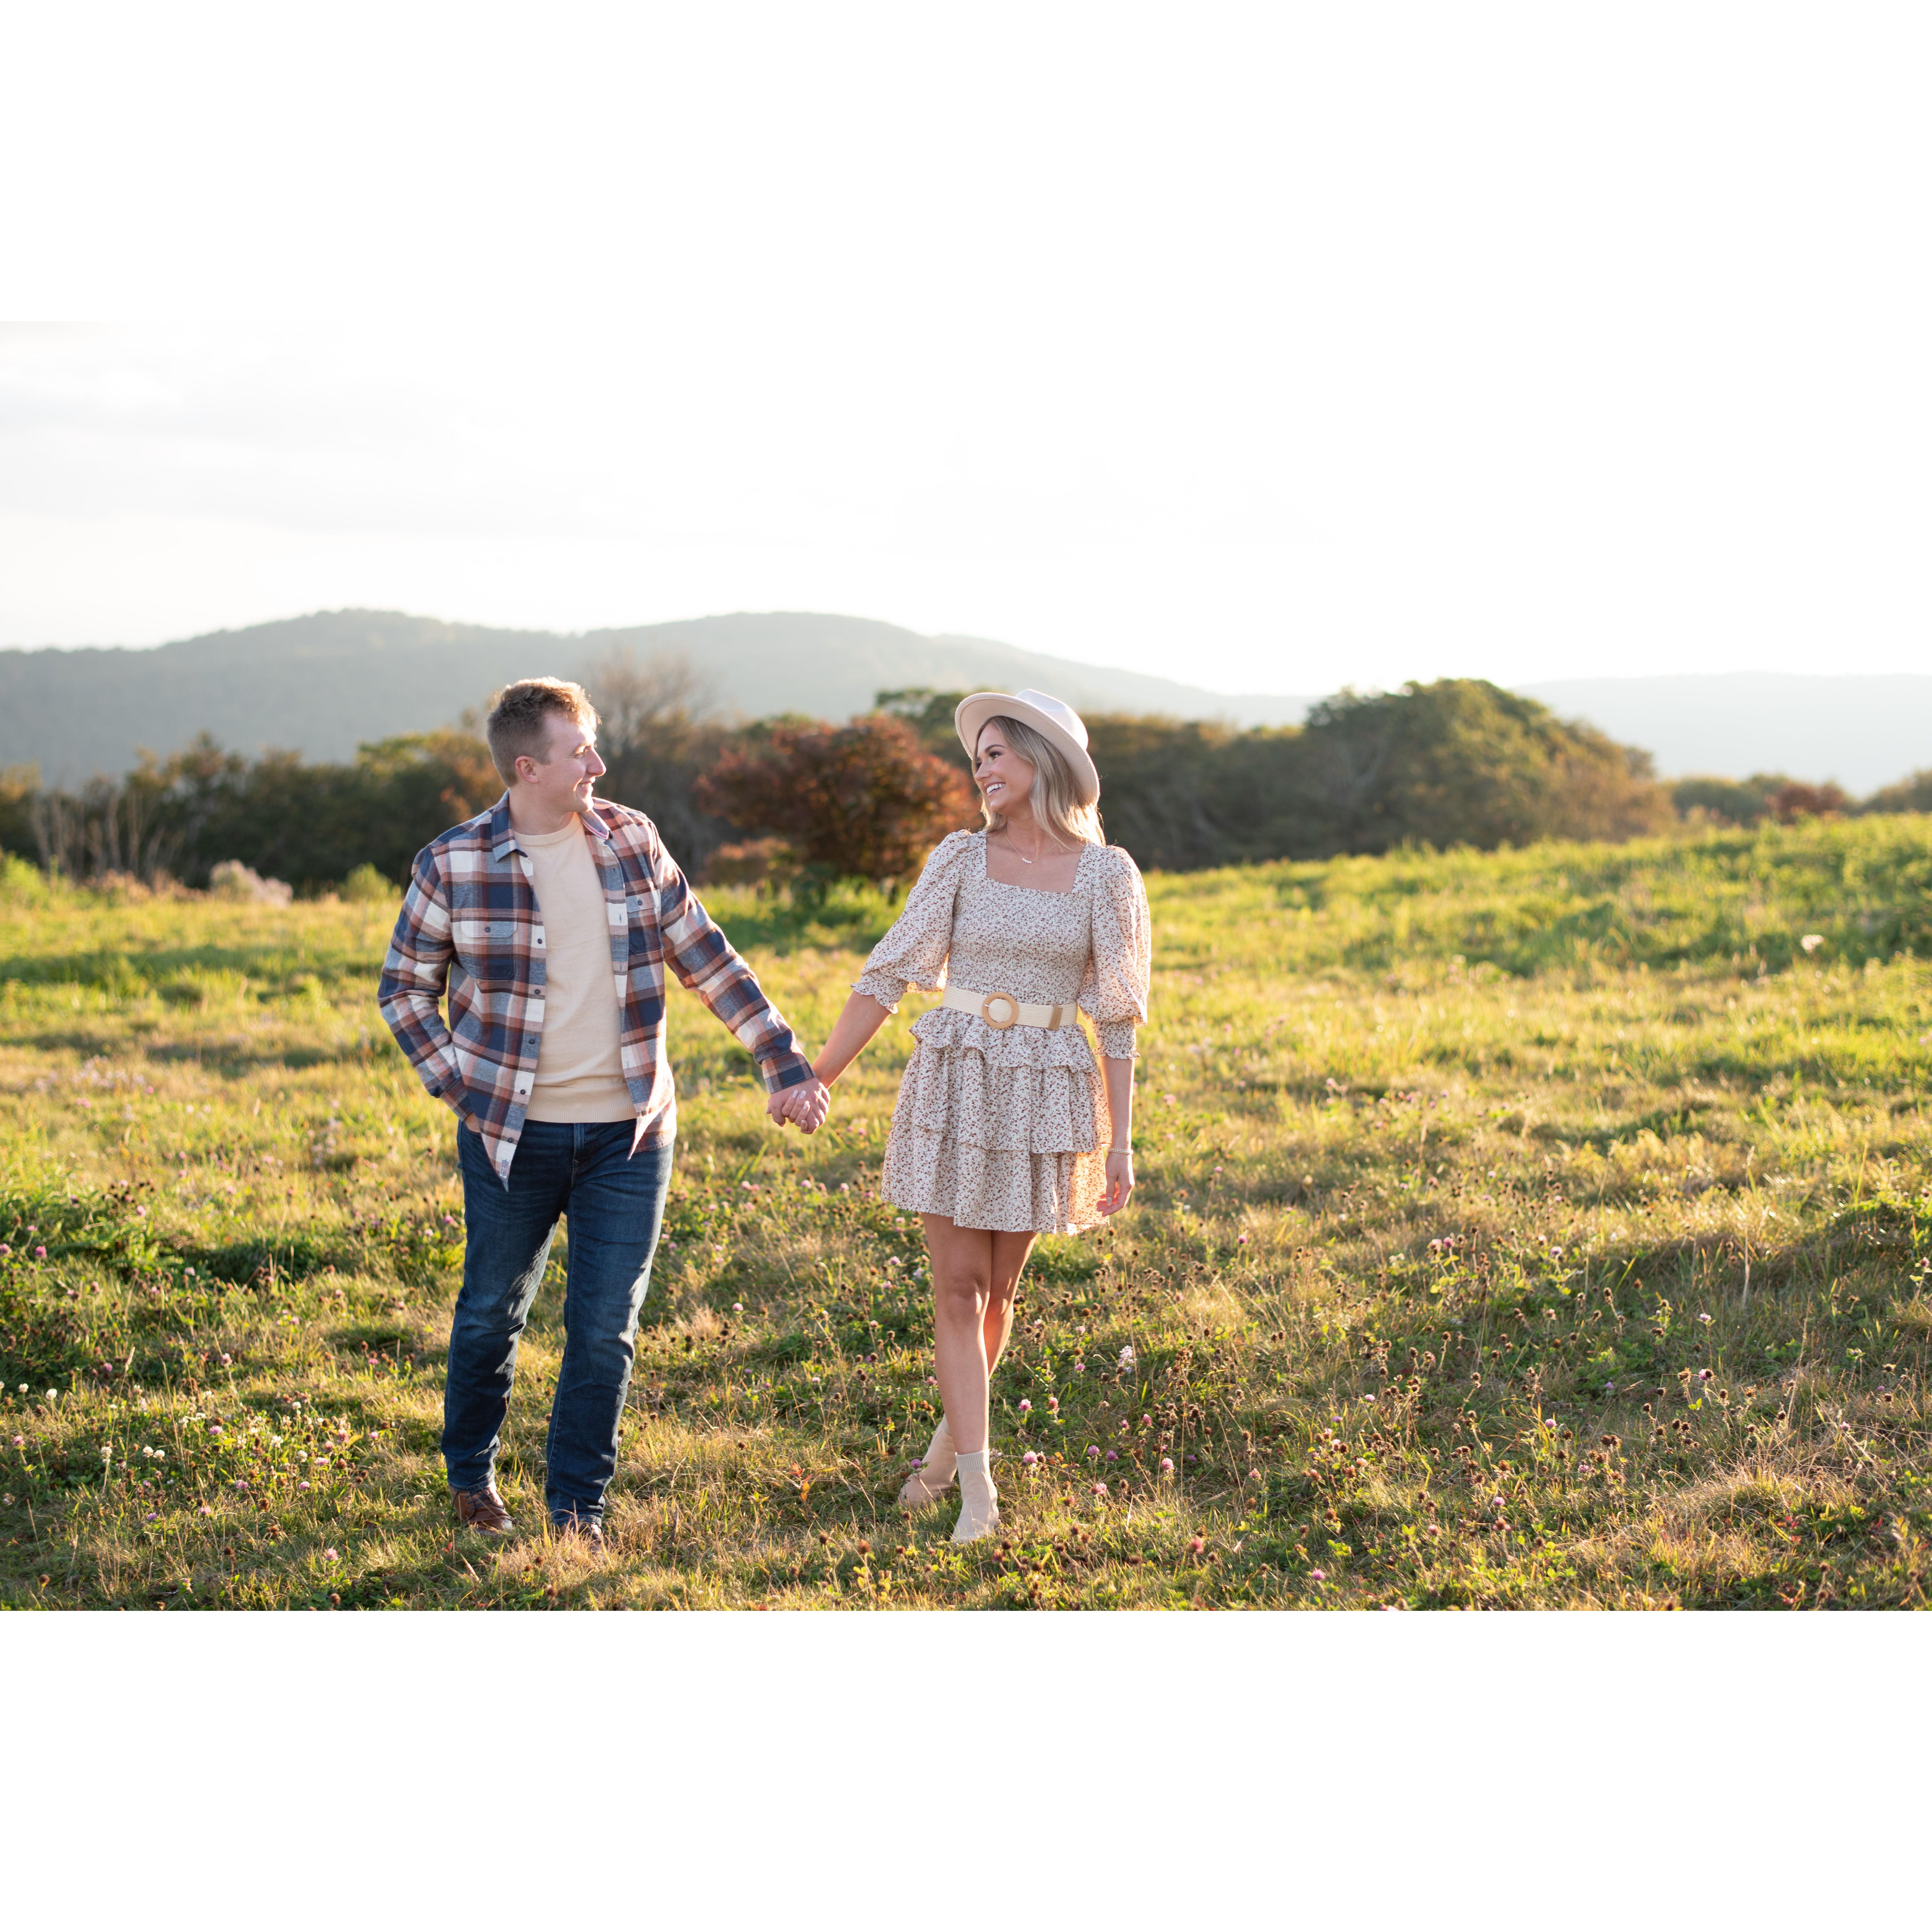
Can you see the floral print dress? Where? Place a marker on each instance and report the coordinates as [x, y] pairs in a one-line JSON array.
[[1008, 1129]]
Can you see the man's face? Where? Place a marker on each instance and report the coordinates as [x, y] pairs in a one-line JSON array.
[[561, 781]]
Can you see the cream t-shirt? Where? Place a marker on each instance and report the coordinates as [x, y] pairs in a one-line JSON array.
[[580, 1072]]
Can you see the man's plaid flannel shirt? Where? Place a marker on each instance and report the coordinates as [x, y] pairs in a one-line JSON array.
[[470, 925]]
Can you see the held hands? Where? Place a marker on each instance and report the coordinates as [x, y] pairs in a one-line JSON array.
[[804, 1106], [1119, 1183]]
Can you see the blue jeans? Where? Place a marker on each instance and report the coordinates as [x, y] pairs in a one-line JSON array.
[[615, 1201]]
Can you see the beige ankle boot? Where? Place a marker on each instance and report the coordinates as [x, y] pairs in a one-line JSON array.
[[979, 1501]]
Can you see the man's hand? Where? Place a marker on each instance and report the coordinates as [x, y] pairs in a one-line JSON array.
[[805, 1106]]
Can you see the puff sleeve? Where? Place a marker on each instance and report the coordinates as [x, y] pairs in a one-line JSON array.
[[914, 953], [1113, 995]]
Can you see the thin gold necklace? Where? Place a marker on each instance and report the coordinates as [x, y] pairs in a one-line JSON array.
[[1021, 856]]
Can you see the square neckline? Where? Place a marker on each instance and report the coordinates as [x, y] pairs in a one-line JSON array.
[[1043, 892]]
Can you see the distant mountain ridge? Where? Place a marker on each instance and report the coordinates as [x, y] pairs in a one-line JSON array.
[[322, 684]]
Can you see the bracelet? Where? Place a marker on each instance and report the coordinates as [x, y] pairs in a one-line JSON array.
[[1125, 1149]]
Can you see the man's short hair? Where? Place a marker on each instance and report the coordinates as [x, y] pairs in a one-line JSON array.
[[520, 717]]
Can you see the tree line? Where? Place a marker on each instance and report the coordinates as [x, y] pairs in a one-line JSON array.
[[1456, 762]]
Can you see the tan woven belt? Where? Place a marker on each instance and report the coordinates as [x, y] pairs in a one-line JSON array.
[[1001, 1010]]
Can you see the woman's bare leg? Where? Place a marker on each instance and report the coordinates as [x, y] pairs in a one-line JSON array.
[[975, 1276], [1009, 1259]]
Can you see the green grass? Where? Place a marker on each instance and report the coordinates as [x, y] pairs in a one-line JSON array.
[[1542, 1229]]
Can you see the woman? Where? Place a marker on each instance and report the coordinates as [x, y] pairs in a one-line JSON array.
[[1005, 1129]]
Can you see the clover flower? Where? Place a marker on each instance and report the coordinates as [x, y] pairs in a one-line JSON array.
[[1026, 1407], [1167, 1465]]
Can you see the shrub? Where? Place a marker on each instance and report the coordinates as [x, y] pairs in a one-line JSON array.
[[231, 880], [1912, 793], [864, 800], [1790, 802], [1743, 801], [18, 784], [365, 885], [1461, 762]]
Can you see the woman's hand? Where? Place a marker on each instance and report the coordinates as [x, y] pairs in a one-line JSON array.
[[805, 1106], [1119, 1183]]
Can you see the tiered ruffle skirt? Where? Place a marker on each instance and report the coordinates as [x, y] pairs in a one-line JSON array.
[[1003, 1130]]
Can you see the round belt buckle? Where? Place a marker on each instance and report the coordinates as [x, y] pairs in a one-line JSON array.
[[1006, 1000]]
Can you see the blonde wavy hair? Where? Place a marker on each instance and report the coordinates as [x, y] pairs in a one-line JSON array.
[[1055, 798]]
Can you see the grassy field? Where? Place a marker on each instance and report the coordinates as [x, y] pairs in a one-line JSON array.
[[1547, 1229]]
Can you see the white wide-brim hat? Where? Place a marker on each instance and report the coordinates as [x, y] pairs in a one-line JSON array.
[[1056, 722]]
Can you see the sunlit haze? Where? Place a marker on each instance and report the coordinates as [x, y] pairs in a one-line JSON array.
[[1266, 348]]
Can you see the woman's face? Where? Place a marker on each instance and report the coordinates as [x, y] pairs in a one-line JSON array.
[[1004, 778]]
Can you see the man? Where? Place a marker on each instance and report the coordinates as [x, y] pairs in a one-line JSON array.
[[548, 921]]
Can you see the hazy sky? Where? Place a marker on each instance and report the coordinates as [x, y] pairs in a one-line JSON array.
[[1268, 347]]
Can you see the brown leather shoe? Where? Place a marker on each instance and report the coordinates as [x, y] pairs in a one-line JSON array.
[[483, 1511], [584, 1529]]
